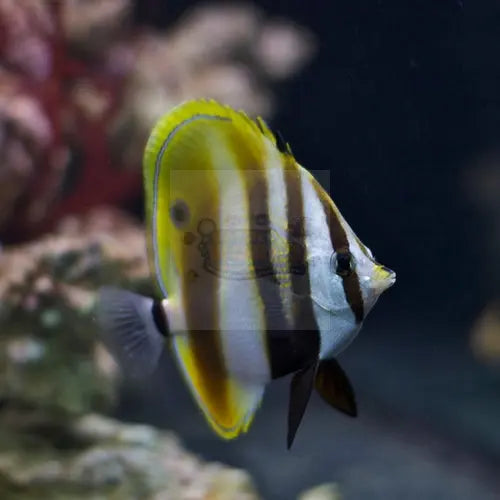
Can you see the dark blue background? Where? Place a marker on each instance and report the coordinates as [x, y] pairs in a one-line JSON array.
[[401, 96]]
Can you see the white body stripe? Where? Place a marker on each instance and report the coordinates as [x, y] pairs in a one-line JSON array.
[[363, 265], [241, 313], [335, 328], [278, 206], [336, 331]]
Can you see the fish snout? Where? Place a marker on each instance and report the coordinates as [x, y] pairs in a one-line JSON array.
[[384, 278]]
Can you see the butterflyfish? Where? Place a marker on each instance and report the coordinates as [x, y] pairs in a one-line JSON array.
[[258, 274]]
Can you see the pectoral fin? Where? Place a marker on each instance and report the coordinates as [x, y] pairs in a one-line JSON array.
[[335, 388], [300, 392]]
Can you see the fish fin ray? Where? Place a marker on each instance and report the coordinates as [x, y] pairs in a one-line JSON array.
[[128, 330], [334, 387]]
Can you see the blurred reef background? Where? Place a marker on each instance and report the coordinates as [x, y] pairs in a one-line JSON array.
[[397, 101]]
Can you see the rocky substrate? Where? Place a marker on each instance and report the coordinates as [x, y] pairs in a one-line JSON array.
[[93, 457]]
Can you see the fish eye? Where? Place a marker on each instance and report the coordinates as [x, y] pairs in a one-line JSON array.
[[343, 263]]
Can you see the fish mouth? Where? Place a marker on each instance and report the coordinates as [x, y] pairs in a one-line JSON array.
[[384, 278]]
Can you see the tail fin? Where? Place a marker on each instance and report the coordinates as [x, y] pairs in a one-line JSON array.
[[130, 330]]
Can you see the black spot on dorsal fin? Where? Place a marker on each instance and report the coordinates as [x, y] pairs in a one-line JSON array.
[[281, 143]]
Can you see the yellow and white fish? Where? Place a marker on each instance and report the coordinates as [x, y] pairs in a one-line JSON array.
[[260, 275]]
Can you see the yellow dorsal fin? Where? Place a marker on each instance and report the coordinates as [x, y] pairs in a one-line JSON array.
[[186, 111], [198, 136], [190, 109]]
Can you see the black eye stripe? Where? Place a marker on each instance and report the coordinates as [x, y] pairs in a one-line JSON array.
[[280, 142]]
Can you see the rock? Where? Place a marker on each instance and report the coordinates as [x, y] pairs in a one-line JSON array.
[[99, 458], [328, 491]]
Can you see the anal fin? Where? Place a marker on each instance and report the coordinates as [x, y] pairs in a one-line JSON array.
[[335, 388]]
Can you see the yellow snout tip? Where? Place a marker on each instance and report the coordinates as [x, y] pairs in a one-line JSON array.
[[384, 278]]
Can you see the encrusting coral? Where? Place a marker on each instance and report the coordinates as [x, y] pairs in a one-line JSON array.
[[49, 350]]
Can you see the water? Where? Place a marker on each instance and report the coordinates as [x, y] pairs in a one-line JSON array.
[[428, 424]]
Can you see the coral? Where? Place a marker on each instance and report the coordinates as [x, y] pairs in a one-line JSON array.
[[54, 374], [50, 357], [229, 53], [25, 133], [103, 458], [26, 31], [81, 86], [65, 166], [90, 25]]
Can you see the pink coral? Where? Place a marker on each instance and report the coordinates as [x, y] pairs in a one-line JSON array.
[[82, 88]]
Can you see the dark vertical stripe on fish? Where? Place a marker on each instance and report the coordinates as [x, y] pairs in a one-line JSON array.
[[261, 250], [202, 318], [340, 243], [296, 348], [199, 296]]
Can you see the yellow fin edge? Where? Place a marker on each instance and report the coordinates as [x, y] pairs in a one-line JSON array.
[[185, 110], [245, 398]]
